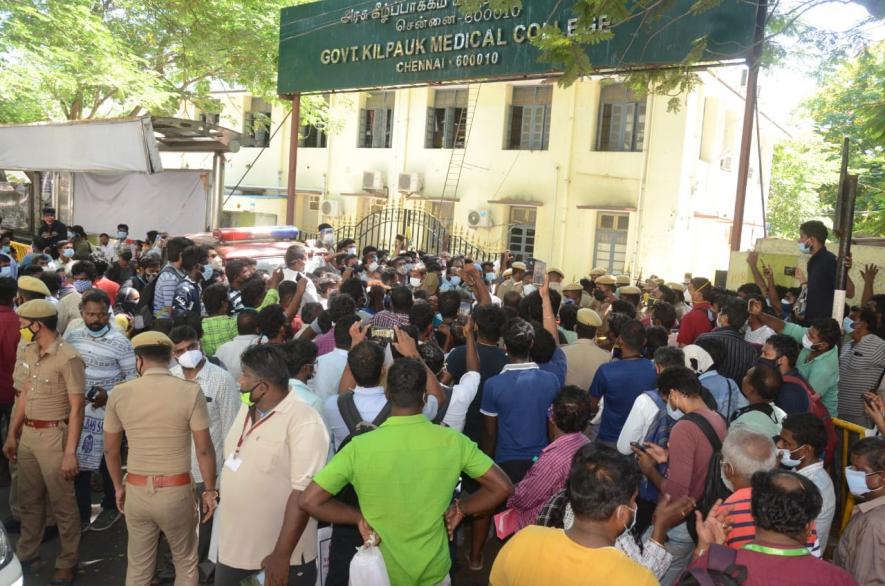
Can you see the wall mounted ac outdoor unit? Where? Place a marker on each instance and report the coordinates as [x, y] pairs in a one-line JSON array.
[[479, 218], [373, 181], [410, 183], [330, 208]]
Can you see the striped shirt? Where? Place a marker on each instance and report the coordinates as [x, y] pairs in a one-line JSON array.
[[164, 290], [743, 528], [740, 355], [860, 369], [109, 361]]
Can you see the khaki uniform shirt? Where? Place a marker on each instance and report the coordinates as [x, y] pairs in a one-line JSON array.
[[279, 454], [586, 300], [583, 357], [49, 379], [68, 310], [19, 373], [506, 287], [860, 546], [158, 412]]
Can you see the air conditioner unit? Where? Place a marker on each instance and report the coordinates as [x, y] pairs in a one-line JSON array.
[[410, 182], [330, 208], [479, 218], [373, 181]]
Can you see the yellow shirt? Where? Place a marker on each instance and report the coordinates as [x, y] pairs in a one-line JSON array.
[[537, 556]]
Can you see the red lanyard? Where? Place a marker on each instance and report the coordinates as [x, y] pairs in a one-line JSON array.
[[244, 434]]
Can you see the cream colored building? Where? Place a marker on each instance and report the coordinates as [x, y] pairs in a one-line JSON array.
[[581, 176]]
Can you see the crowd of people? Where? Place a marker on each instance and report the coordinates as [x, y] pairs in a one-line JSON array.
[[608, 431]]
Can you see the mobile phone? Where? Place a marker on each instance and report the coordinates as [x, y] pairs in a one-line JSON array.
[[464, 309], [539, 272], [92, 393], [790, 271], [383, 336], [638, 446]]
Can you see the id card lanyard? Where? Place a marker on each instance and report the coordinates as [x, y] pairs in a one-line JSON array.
[[246, 434], [799, 551]]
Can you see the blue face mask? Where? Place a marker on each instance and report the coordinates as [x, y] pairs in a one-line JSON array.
[[848, 325], [455, 281], [122, 235], [82, 285], [6, 272], [7, 248], [490, 277], [98, 333], [207, 272], [804, 248], [68, 252]]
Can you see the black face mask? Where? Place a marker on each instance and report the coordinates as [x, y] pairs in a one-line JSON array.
[[767, 362], [599, 295]]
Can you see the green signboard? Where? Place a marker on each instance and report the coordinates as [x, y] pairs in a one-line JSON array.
[[352, 44]]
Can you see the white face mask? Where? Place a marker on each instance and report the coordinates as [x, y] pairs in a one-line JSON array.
[[787, 459], [414, 281], [857, 481], [373, 266], [634, 510], [528, 289], [190, 359], [674, 413]]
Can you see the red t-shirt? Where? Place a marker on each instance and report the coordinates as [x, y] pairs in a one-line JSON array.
[[773, 570], [690, 454], [740, 517], [9, 338], [694, 323], [109, 287]]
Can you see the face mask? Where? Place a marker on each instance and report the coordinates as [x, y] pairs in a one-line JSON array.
[[568, 301], [787, 459], [246, 396], [674, 413], [68, 252], [122, 235], [785, 302], [414, 281], [598, 295], [373, 266], [633, 510], [804, 248], [82, 285], [97, 333], [6, 272], [351, 250], [528, 289], [7, 249], [719, 321], [207, 272], [848, 325], [129, 306], [728, 483], [190, 359], [71, 235], [148, 277], [857, 481], [455, 281], [807, 343], [216, 263], [490, 277]]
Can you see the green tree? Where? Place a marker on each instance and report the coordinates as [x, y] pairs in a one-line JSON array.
[[800, 170], [81, 59], [852, 103]]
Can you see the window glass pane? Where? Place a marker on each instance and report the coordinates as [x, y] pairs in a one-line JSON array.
[[623, 222], [515, 126], [639, 143], [606, 221], [605, 127]]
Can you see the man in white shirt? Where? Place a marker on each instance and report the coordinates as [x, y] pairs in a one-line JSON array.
[[645, 408], [107, 250], [802, 439], [247, 335], [295, 259], [331, 366]]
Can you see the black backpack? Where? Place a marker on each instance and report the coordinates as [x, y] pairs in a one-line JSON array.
[[721, 570], [714, 488], [356, 425]]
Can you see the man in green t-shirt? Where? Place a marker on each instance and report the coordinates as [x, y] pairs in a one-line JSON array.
[[404, 474]]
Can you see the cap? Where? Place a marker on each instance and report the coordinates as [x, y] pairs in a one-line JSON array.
[[677, 287], [623, 279], [630, 290], [598, 272], [606, 280], [151, 339], [507, 273], [573, 287], [588, 317], [557, 271], [556, 287], [37, 309], [518, 266], [33, 284]]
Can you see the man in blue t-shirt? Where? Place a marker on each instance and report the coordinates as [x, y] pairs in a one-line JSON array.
[[621, 381], [515, 404]]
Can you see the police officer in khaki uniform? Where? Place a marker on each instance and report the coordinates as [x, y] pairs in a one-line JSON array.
[[514, 283], [159, 413], [48, 419]]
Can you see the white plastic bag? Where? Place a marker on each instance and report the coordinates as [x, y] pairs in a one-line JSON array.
[[367, 566]]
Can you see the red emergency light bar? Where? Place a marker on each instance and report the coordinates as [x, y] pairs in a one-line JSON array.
[[256, 233]]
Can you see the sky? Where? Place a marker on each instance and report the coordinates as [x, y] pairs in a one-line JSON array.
[[782, 89]]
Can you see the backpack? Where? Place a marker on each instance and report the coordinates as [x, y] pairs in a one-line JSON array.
[[144, 310], [714, 488], [356, 425], [721, 570], [658, 433], [817, 408], [441, 412]]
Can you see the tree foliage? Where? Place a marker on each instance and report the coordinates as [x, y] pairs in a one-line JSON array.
[[80, 59], [800, 173]]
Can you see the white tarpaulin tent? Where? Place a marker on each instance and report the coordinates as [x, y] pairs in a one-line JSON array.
[[174, 201], [125, 145]]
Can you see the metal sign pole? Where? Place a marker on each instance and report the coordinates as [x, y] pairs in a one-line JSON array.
[[294, 127]]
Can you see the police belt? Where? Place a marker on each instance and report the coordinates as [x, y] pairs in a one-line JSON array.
[[43, 424], [159, 481]]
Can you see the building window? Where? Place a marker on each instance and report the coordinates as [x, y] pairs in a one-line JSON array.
[[313, 203], [257, 122], [312, 137], [621, 120], [447, 120], [610, 250], [528, 126], [376, 121]]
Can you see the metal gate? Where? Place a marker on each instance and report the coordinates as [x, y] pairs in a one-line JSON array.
[[423, 232]]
